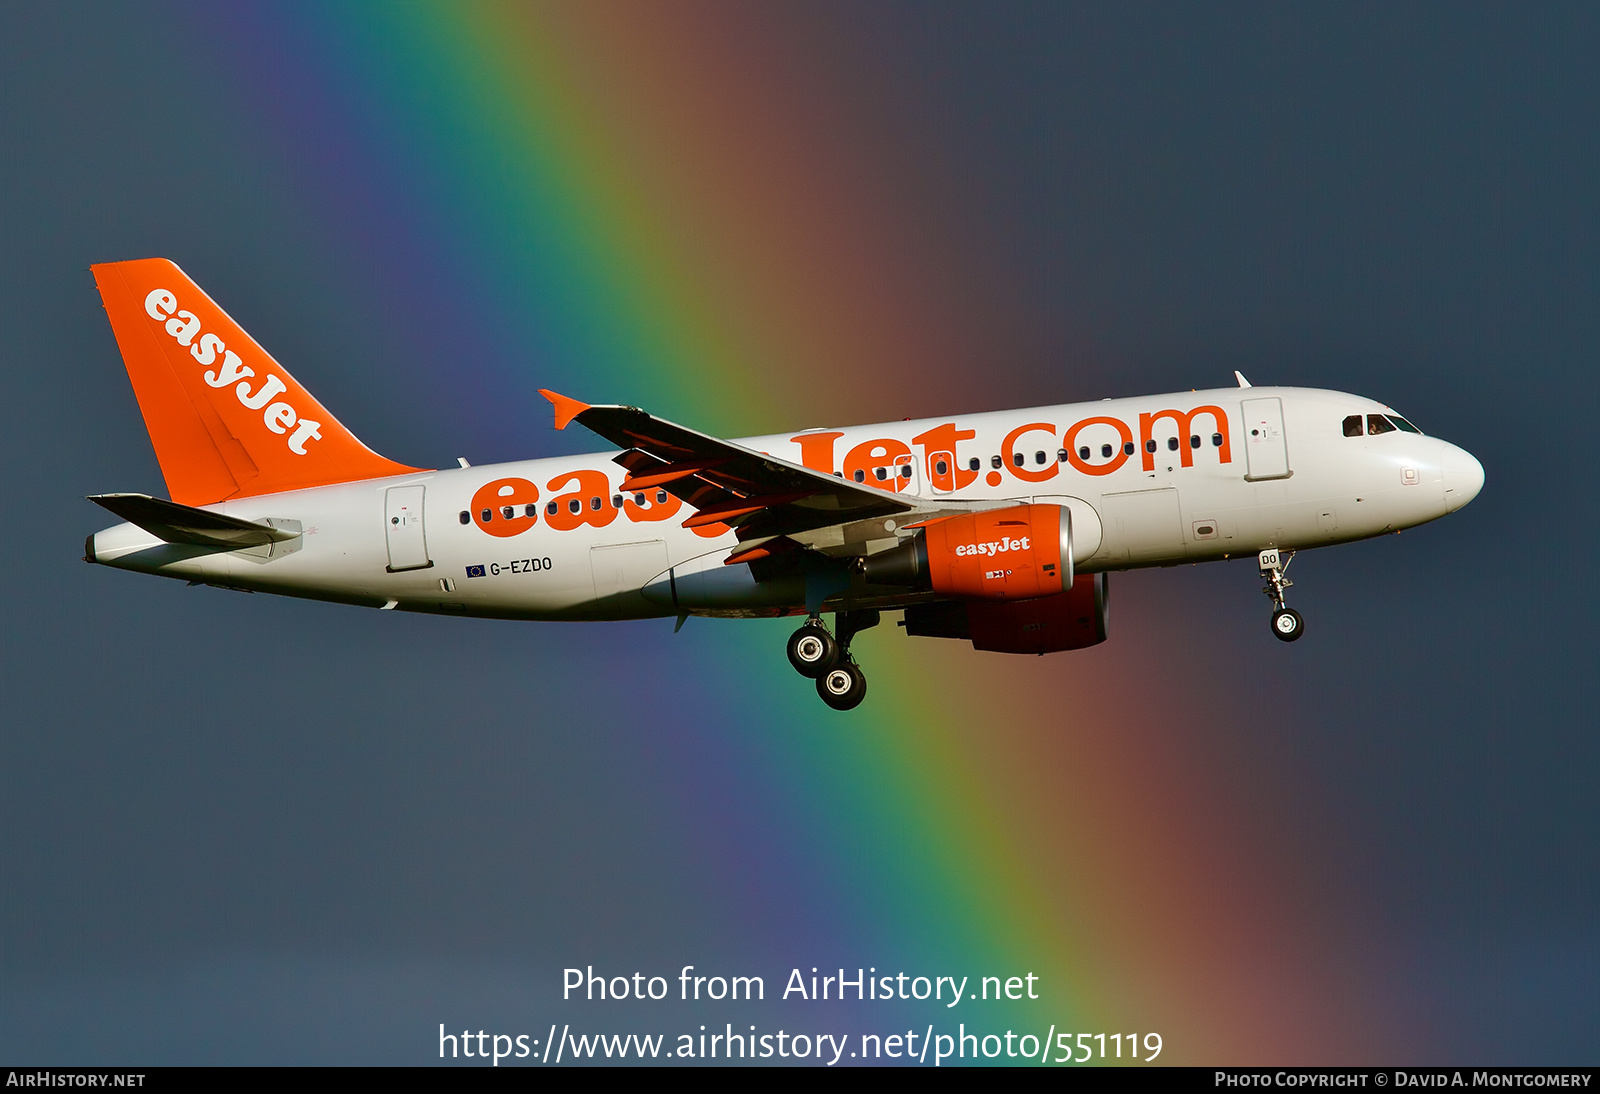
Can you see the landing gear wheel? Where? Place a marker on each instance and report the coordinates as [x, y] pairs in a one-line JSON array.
[[812, 650], [1287, 626], [843, 686]]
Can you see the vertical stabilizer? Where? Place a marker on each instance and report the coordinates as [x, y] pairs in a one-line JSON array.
[[226, 420]]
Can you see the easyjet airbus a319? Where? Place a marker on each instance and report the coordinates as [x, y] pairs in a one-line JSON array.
[[996, 528]]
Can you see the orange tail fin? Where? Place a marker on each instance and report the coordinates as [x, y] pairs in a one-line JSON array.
[[226, 420]]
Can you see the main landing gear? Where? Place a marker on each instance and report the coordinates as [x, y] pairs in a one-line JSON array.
[[819, 655], [1287, 626]]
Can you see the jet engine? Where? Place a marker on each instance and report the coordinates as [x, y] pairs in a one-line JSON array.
[[1019, 553]]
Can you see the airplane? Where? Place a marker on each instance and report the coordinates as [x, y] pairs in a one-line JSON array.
[[998, 528]]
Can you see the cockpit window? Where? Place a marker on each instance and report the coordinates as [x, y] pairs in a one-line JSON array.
[[1403, 424], [1352, 426], [1377, 423]]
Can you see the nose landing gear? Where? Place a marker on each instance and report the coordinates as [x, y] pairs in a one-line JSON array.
[[1287, 626], [826, 659]]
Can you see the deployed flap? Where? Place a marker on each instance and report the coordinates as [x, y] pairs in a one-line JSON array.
[[726, 482], [182, 524]]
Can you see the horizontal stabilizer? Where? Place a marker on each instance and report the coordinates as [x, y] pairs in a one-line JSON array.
[[176, 523]]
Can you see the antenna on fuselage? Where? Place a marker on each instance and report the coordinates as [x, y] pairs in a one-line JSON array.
[[1237, 375]]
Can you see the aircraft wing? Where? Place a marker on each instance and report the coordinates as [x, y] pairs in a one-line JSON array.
[[759, 495]]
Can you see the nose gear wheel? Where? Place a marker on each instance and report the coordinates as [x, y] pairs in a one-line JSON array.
[[1287, 626]]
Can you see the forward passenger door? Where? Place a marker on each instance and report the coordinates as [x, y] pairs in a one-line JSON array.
[[1266, 448]]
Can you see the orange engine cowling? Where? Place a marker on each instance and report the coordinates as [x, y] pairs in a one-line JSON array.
[[1001, 554]]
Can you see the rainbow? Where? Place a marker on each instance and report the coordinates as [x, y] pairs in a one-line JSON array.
[[658, 205]]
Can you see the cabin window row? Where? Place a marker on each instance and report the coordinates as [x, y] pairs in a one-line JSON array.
[[881, 473], [942, 467], [575, 505], [1173, 444], [1019, 459]]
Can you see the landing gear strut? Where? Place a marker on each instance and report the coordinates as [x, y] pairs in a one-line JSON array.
[[825, 658], [1287, 626]]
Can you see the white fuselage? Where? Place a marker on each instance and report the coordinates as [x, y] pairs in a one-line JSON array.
[[1265, 467]]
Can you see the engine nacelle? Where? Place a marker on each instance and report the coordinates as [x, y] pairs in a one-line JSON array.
[[1072, 620], [1019, 553]]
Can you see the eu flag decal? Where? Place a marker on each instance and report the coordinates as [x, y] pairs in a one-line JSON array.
[[474, 571]]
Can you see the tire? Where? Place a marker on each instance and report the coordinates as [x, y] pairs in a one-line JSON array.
[[1287, 626], [813, 651], [843, 686]]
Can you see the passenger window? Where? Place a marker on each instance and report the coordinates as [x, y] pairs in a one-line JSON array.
[[466, 517], [1403, 424], [638, 499], [1377, 423], [487, 515], [1038, 457], [552, 509], [880, 473], [905, 471], [508, 512], [1352, 426], [1172, 444], [529, 510], [1016, 458], [1150, 445], [574, 506], [661, 497], [994, 462], [1127, 449], [860, 476], [941, 468], [1216, 440], [594, 503], [616, 501], [1194, 440], [1083, 452], [974, 463]]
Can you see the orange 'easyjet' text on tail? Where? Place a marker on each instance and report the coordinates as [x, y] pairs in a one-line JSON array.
[[226, 420]]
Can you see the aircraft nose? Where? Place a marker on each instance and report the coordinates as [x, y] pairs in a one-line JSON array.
[[1463, 477]]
